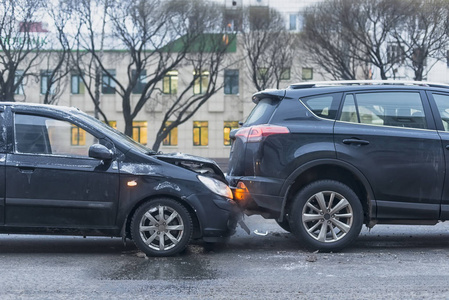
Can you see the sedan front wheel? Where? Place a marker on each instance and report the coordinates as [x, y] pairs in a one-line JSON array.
[[161, 227]]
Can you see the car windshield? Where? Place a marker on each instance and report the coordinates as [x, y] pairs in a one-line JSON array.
[[117, 134]]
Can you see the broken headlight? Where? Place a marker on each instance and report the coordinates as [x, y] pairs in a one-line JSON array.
[[216, 186]]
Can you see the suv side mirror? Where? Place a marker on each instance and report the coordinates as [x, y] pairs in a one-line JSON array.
[[99, 151]]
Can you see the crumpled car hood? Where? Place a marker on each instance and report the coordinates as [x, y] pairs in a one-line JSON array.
[[200, 165]]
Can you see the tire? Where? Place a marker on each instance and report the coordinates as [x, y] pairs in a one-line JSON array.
[[326, 215], [161, 227], [285, 224]]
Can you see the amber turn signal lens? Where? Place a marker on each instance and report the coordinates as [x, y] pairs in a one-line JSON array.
[[241, 192], [132, 183]]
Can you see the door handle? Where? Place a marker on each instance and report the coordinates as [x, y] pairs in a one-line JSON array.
[[355, 141], [26, 170], [447, 147]]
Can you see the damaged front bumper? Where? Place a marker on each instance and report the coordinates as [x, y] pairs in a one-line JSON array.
[[218, 217]]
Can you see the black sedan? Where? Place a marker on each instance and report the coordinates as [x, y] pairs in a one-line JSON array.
[[64, 172]]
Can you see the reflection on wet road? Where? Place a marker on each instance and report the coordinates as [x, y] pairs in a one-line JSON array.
[[386, 262]]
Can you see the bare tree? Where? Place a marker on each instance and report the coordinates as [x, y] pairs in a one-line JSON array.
[[158, 36], [90, 16], [268, 47], [325, 41], [208, 59], [56, 56], [19, 44], [346, 36], [424, 34]]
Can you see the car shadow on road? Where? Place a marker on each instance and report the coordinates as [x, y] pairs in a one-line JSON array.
[[62, 244]]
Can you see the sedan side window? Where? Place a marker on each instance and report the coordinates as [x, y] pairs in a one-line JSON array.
[[43, 135], [442, 102], [399, 109]]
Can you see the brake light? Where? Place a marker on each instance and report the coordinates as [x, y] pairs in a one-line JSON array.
[[257, 133]]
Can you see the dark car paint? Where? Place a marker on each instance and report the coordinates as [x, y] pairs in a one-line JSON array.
[[39, 194], [395, 192]]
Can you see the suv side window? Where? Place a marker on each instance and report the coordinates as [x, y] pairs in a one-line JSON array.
[[43, 135], [324, 106], [399, 109], [442, 102]]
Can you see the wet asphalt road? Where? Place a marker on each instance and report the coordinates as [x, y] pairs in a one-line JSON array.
[[388, 262]]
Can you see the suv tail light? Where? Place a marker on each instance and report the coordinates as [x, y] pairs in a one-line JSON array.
[[257, 133]]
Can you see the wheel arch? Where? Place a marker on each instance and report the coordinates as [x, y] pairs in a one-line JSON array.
[[330, 169], [126, 228]]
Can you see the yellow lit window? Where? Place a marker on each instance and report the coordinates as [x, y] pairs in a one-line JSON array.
[[113, 124], [140, 131], [78, 136], [200, 133], [201, 81], [228, 126], [172, 138], [170, 82]]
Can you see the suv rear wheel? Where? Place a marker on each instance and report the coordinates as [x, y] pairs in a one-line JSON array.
[[326, 215]]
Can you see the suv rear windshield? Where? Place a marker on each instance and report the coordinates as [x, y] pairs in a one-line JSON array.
[[262, 112]]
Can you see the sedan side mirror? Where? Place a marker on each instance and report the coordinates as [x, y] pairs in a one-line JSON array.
[[99, 151]]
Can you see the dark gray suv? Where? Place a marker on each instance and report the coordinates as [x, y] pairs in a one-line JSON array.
[[324, 158]]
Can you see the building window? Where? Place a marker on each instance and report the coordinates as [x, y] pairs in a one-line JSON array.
[[293, 22], [262, 73], [228, 126], [141, 81], [78, 136], [201, 80], [231, 82], [17, 77], [46, 83], [395, 54], [113, 124], [170, 83], [140, 131], [172, 138], [418, 57], [77, 84], [285, 74], [307, 73], [108, 83], [200, 133]]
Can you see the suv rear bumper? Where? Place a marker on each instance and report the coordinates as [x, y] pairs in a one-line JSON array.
[[257, 194]]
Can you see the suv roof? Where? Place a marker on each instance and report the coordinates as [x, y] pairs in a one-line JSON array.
[[315, 84], [310, 88]]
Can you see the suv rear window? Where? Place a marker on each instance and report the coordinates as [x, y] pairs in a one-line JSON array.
[[262, 112]]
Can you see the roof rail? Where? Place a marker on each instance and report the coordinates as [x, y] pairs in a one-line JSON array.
[[303, 85]]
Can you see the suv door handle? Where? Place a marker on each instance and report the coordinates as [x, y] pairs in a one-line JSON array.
[[355, 141], [26, 170]]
